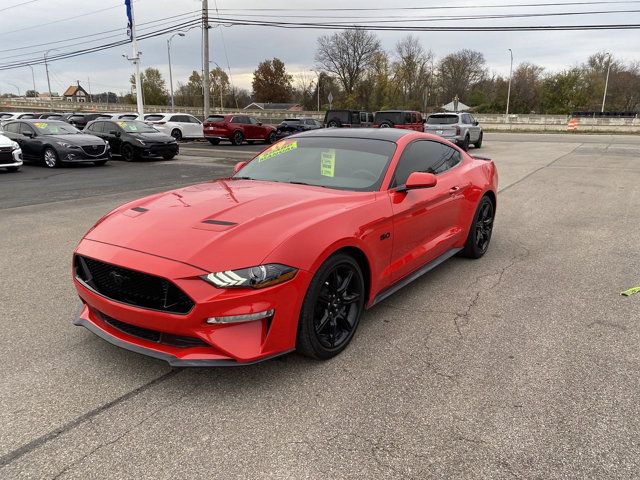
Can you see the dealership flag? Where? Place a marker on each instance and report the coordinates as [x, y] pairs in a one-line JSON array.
[[127, 3]]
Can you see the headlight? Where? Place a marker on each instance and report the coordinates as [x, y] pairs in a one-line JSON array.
[[15, 146], [261, 276], [67, 145], [140, 141]]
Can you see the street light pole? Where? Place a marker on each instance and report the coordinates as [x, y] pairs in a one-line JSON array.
[[33, 77], [606, 85], [510, 75], [180, 34], [46, 67]]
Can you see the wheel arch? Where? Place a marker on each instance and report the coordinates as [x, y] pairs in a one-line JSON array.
[[363, 262]]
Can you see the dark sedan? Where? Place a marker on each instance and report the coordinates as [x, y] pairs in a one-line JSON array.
[[290, 126], [54, 143], [133, 139]]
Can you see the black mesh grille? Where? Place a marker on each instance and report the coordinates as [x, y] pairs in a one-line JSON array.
[[5, 155], [94, 150], [131, 287], [153, 335]]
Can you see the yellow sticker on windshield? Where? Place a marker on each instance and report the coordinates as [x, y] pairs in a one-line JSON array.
[[278, 149], [328, 163], [41, 125]]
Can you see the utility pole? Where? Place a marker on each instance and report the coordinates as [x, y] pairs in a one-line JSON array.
[[510, 75], [205, 57], [180, 34], [89, 83], [33, 77], [136, 64], [46, 67], [606, 85]]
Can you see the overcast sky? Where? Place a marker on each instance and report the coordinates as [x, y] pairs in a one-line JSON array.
[[42, 21]]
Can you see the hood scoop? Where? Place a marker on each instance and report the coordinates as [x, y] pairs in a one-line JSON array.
[[214, 225]]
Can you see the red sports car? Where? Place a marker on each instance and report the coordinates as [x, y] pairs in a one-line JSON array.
[[287, 253]]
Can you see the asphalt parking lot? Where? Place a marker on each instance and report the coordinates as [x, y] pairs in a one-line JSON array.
[[523, 364]]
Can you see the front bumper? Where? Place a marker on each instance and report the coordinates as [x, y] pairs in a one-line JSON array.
[[14, 161], [209, 345], [72, 155], [160, 150]]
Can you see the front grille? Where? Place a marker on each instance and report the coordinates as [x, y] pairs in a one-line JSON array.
[[6, 157], [131, 287], [153, 335], [94, 150]]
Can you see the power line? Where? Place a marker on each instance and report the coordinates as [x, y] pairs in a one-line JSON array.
[[18, 5]]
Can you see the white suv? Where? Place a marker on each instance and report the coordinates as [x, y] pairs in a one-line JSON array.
[[178, 125], [10, 154]]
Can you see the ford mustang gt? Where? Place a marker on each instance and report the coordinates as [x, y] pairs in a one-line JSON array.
[[285, 254]]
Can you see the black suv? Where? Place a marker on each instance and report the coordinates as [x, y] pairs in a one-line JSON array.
[[348, 119], [132, 139]]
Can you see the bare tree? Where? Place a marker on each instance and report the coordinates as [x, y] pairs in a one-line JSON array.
[[347, 55], [303, 88], [413, 71], [526, 86], [459, 72]]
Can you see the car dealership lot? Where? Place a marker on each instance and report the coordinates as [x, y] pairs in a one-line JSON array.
[[522, 364]]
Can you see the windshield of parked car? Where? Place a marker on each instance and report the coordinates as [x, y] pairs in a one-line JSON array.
[[55, 128], [442, 120], [136, 127], [343, 163], [393, 117], [215, 118], [153, 118]]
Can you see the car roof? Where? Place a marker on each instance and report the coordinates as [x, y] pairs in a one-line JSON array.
[[390, 134], [38, 120]]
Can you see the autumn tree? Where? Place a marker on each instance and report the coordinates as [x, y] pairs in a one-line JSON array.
[[154, 89], [459, 72], [526, 86], [219, 87], [347, 55], [271, 82], [190, 94]]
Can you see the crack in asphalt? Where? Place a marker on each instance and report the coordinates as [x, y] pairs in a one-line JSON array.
[[15, 454]]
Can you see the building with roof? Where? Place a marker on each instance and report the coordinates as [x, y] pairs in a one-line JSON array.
[[292, 107], [75, 93]]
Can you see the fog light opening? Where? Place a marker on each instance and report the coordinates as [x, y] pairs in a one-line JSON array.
[[248, 317]]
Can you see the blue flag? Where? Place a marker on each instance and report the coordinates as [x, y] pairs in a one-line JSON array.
[[127, 3]]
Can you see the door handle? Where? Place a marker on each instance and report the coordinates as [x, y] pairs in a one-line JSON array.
[[454, 190]]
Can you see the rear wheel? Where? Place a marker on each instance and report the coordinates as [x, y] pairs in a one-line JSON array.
[[177, 134], [214, 141], [386, 125], [480, 231], [478, 144], [465, 144], [50, 158], [334, 123], [237, 139], [332, 308], [271, 138]]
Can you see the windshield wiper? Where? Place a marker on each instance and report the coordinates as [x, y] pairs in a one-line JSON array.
[[309, 184]]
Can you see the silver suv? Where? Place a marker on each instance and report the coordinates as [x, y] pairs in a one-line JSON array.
[[459, 128]]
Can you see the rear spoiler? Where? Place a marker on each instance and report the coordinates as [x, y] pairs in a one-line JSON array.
[[478, 157]]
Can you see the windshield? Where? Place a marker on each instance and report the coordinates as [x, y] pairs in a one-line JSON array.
[[344, 163], [393, 117], [153, 118], [442, 120], [6, 115], [55, 128], [136, 127]]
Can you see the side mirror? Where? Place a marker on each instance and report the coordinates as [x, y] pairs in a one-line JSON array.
[[421, 180], [114, 132], [238, 166], [260, 124], [29, 134], [476, 123]]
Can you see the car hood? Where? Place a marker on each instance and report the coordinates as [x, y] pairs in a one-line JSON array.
[[223, 224], [153, 137], [5, 141], [82, 139]]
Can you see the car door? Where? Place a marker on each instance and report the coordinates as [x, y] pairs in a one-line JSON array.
[[112, 133], [31, 143], [426, 222], [195, 127], [12, 131], [475, 129]]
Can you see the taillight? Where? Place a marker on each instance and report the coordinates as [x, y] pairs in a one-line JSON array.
[[457, 130], [160, 123]]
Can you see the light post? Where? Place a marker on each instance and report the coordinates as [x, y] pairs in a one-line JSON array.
[[510, 75], [606, 84], [17, 88], [179, 34], [46, 67], [33, 77]]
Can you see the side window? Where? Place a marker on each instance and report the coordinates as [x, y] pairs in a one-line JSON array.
[[363, 117], [450, 158], [12, 128], [235, 120], [407, 117], [355, 117], [420, 156], [466, 119], [192, 119], [25, 129], [414, 118], [253, 121], [471, 119], [176, 118]]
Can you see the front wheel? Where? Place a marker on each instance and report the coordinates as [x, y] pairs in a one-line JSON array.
[[128, 153], [332, 308], [480, 231], [271, 138], [177, 134], [478, 144], [50, 157]]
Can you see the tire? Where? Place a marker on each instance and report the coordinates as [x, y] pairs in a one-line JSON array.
[[271, 138], [169, 156], [50, 158], [100, 163], [177, 134], [128, 153], [334, 123], [480, 230], [331, 309], [386, 125], [214, 141], [13, 169], [465, 144], [478, 144], [237, 138]]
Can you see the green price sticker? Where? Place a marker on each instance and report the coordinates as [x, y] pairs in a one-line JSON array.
[[328, 163]]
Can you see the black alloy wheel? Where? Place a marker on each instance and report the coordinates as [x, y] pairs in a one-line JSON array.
[[271, 138], [478, 144], [128, 153], [481, 229], [465, 144], [177, 134], [237, 138], [332, 308]]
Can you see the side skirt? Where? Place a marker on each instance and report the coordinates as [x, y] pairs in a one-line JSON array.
[[413, 276]]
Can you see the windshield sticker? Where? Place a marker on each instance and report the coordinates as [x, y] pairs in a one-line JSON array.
[[278, 149], [41, 125], [328, 163]]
